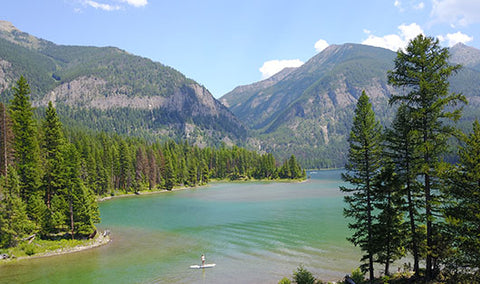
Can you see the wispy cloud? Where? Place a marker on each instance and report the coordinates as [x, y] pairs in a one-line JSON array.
[[272, 67], [102, 6], [114, 5], [403, 6], [136, 3], [394, 41]]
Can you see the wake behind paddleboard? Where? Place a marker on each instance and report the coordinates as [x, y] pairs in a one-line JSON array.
[[210, 265]]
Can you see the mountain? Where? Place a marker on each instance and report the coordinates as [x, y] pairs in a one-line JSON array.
[[308, 110], [106, 88]]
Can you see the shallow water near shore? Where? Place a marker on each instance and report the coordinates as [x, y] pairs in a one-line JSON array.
[[254, 232]]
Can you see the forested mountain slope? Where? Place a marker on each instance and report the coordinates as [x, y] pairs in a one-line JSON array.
[[308, 110], [105, 88]]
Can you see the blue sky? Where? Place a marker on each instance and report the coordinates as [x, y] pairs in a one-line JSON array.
[[222, 44]]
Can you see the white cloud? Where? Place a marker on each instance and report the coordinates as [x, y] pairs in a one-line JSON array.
[[394, 41], [102, 6], [455, 38], [419, 6], [320, 45], [136, 3], [403, 6], [272, 67], [456, 12], [398, 4], [109, 5]]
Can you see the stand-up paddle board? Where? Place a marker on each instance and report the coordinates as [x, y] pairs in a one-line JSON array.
[[210, 265]]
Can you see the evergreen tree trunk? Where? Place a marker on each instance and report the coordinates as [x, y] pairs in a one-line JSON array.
[[413, 229], [72, 223]]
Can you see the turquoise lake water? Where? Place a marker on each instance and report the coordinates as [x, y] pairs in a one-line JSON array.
[[254, 232]]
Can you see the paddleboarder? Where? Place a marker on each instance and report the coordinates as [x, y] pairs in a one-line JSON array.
[[203, 259]]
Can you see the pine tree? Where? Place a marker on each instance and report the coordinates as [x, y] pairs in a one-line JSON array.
[[25, 142], [6, 141], [423, 69], [389, 230], [463, 210], [402, 149], [53, 144], [82, 207], [152, 169], [169, 175], [125, 163], [362, 170], [14, 222], [141, 169]]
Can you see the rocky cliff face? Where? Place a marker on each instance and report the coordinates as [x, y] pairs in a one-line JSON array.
[[109, 83]]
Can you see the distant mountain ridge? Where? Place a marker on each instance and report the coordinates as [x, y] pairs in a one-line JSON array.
[[308, 110], [106, 82]]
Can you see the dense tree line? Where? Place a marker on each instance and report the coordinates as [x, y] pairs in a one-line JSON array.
[[51, 176], [405, 197], [113, 163], [41, 189]]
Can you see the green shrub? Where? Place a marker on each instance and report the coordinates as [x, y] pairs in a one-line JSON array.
[[29, 249], [358, 276], [285, 280], [303, 276]]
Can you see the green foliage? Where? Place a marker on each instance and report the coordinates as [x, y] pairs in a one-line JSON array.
[[462, 212], [362, 170], [303, 276], [284, 280], [14, 222], [28, 248], [423, 69], [25, 141], [358, 276], [389, 230]]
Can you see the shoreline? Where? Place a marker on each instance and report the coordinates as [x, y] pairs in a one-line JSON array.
[[145, 192], [148, 192], [101, 239]]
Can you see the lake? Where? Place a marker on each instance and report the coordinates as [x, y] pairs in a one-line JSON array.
[[255, 232]]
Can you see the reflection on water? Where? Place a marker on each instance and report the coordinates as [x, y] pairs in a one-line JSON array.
[[254, 232]]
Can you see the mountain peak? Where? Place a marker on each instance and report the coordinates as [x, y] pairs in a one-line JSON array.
[[6, 26], [9, 32], [466, 55]]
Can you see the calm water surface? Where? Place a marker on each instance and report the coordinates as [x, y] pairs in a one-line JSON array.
[[254, 232]]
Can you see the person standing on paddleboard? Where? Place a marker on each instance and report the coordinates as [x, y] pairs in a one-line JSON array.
[[203, 259]]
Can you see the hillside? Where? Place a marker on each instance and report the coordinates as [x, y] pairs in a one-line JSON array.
[[105, 88], [308, 111]]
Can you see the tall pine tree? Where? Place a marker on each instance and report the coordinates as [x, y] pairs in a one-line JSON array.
[[423, 70], [25, 145], [362, 170], [402, 144], [53, 144]]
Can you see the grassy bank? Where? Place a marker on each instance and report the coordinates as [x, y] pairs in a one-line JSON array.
[[42, 248]]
